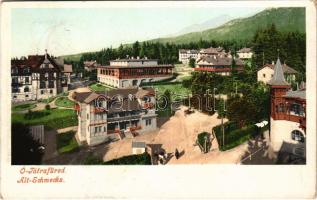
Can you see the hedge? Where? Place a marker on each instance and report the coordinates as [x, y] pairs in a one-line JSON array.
[[234, 136], [139, 159], [53, 118], [201, 141]]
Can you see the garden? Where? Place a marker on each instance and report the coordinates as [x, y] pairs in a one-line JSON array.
[[234, 136], [64, 102], [66, 142], [50, 118], [97, 87]]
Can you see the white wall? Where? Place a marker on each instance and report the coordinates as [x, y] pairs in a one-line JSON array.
[[265, 74], [281, 131]]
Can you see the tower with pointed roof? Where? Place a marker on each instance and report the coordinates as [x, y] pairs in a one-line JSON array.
[[287, 112], [278, 88]]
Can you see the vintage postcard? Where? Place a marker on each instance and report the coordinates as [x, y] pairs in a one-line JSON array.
[[194, 99]]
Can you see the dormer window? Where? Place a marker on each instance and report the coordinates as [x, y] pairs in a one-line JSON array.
[[26, 70]]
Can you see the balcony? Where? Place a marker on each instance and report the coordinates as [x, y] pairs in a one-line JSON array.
[[97, 110], [123, 118], [148, 105]]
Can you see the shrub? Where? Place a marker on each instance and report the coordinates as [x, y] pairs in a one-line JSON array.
[[234, 136], [92, 160], [201, 139], [47, 107], [66, 142], [139, 159]]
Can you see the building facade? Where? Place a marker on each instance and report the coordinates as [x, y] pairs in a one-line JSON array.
[[91, 65], [38, 77], [265, 73], [133, 72], [221, 65], [115, 114], [288, 111], [219, 51], [245, 53], [184, 55]]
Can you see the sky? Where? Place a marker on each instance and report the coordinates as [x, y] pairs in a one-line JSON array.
[[64, 31]]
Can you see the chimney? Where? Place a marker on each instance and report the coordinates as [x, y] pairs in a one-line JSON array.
[[45, 53]]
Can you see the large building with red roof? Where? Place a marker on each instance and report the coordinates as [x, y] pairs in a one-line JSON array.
[[123, 73], [219, 64], [38, 77]]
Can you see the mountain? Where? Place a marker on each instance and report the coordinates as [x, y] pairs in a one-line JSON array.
[[285, 19], [212, 23]]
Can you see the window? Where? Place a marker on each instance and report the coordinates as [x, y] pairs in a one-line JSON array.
[[50, 84], [280, 108], [148, 122], [42, 91], [46, 65], [271, 75], [14, 97], [15, 90], [51, 91], [296, 109], [26, 96], [26, 70], [15, 80], [42, 84], [27, 79], [298, 136], [26, 89], [87, 116], [96, 129], [263, 75]]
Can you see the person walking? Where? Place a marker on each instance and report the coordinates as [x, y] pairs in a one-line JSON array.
[[176, 154]]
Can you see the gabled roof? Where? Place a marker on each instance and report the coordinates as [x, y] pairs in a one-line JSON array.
[[219, 61], [68, 68], [278, 76], [244, 50], [286, 68], [296, 94], [35, 61]]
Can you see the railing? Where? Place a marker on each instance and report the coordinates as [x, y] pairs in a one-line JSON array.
[[148, 105], [128, 117], [98, 110], [134, 128], [113, 131], [212, 69]]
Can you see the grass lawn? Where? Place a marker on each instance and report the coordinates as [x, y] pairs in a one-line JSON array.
[[54, 118], [66, 142], [176, 89], [23, 107], [97, 87], [64, 102]]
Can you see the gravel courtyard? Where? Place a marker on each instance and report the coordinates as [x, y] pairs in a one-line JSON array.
[[180, 132]]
